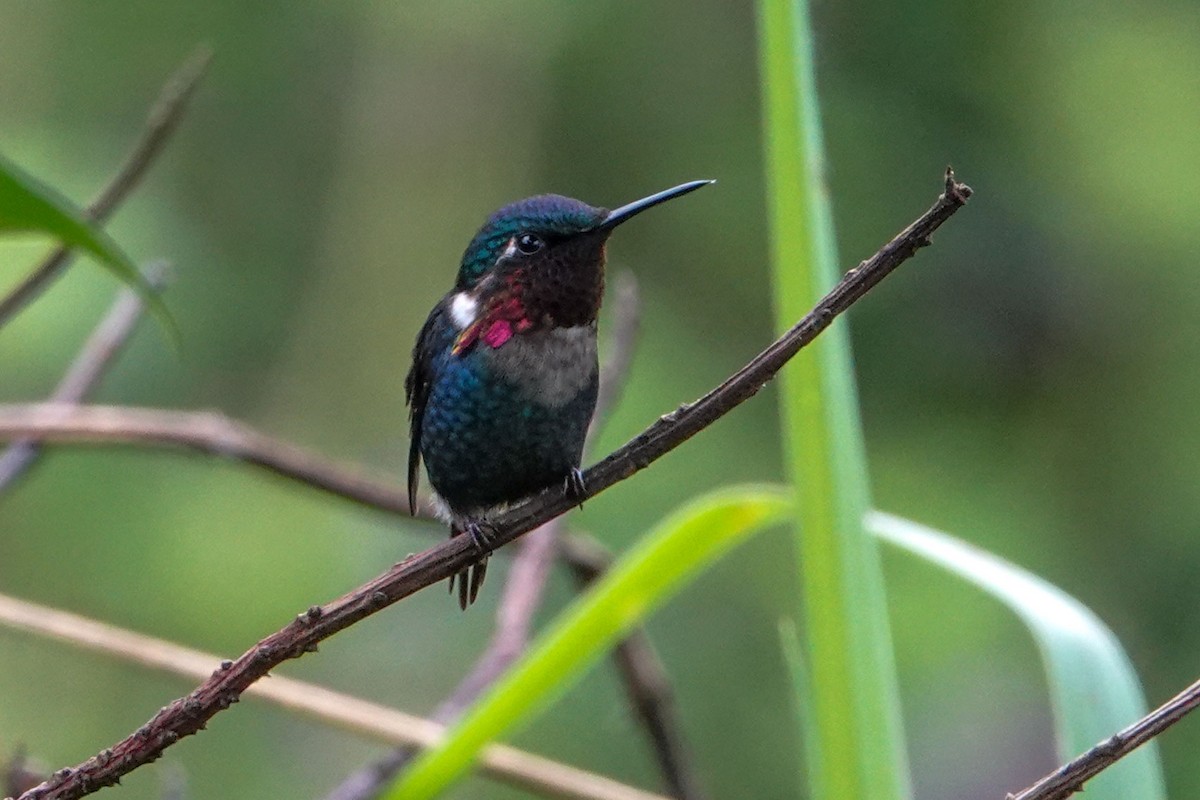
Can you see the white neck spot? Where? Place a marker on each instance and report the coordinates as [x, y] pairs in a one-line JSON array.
[[463, 310]]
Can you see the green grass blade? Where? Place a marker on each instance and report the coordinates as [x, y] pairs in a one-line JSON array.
[[1094, 690], [853, 739], [679, 547], [27, 205]]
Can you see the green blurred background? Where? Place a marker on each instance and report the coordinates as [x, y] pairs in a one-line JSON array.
[[1028, 383]]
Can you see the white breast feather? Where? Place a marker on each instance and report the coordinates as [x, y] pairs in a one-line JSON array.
[[463, 309]]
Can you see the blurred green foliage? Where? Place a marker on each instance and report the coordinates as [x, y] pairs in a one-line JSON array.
[[1028, 383]]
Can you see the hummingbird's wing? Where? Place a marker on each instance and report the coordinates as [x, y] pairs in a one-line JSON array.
[[416, 391]]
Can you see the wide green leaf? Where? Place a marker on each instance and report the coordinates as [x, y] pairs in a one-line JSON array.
[[28, 206], [1094, 690], [662, 562], [854, 743]]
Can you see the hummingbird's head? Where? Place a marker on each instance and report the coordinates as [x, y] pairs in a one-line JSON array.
[[542, 258], [531, 233]]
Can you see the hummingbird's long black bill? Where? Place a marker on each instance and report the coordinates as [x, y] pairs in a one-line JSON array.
[[630, 210]]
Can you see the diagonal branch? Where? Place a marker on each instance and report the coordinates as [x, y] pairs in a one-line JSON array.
[[508, 764], [164, 117], [1069, 779], [87, 369], [190, 714]]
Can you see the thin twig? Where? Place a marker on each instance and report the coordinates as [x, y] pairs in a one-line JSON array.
[[645, 680], [527, 577], [19, 775], [614, 372], [202, 431], [190, 714], [161, 122], [1069, 779], [508, 764], [94, 359]]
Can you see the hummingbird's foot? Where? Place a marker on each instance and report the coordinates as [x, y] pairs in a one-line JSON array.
[[483, 536], [574, 486]]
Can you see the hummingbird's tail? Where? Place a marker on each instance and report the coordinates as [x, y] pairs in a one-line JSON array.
[[469, 581]]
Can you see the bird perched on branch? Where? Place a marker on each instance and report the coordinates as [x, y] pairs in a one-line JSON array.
[[504, 376]]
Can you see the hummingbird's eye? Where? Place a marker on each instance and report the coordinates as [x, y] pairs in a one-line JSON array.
[[529, 243]]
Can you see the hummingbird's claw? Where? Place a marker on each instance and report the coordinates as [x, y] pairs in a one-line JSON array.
[[575, 487], [483, 536]]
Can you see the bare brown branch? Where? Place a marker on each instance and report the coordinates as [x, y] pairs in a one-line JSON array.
[[87, 369], [504, 763], [1069, 779], [190, 714], [202, 431], [221, 436], [161, 122]]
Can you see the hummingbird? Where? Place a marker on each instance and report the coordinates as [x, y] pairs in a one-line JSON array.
[[505, 373]]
